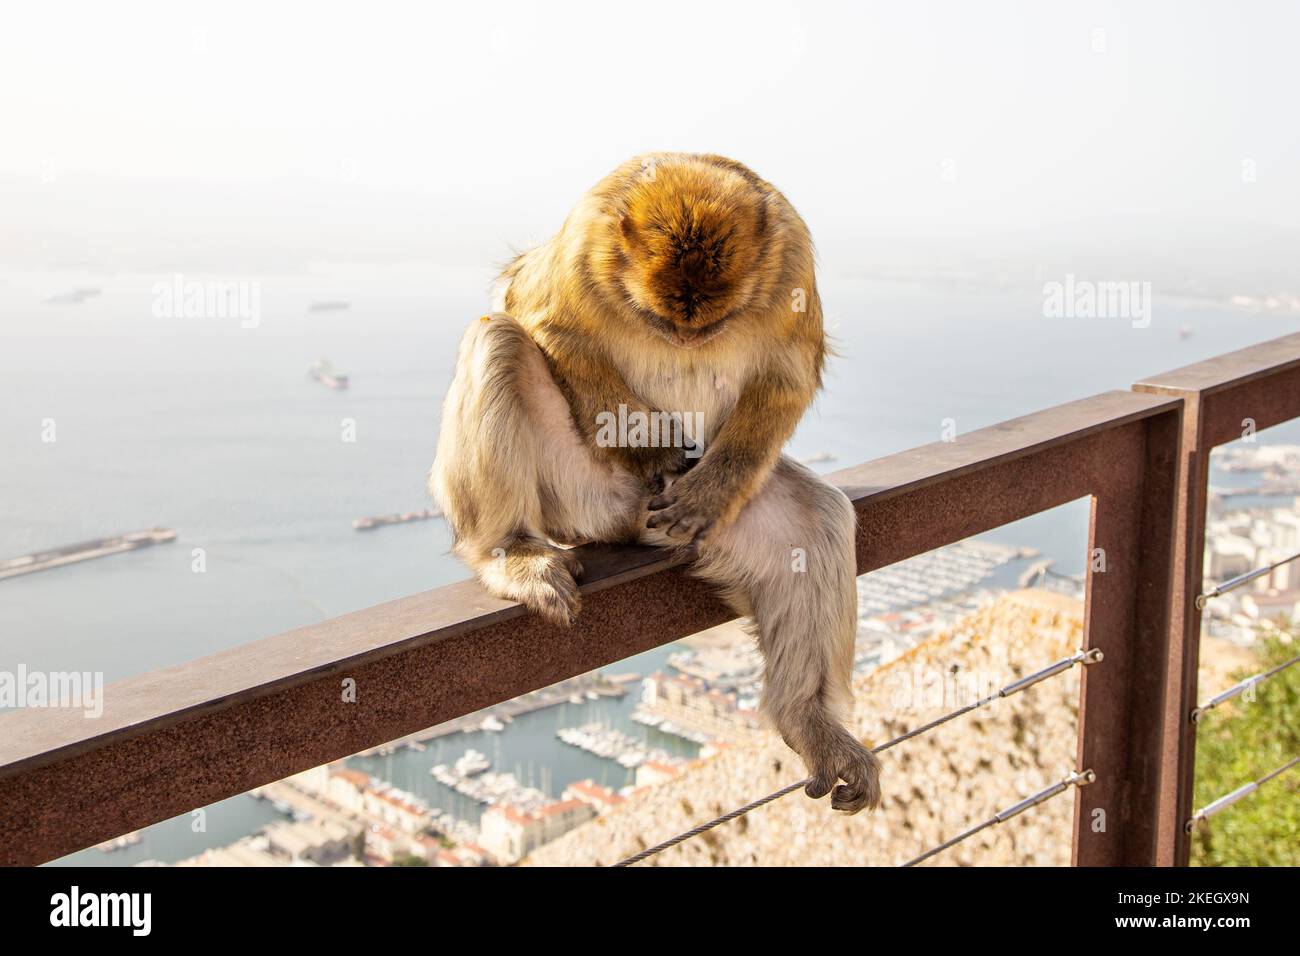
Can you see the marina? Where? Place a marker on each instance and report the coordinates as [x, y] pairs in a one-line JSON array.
[[490, 789], [610, 744], [588, 687], [936, 574], [666, 726]]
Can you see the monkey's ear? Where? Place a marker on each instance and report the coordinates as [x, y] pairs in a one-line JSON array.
[[625, 226]]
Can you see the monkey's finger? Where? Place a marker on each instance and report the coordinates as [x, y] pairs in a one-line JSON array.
[[660, 503], [691, 529], [849, 798], [659, 520]]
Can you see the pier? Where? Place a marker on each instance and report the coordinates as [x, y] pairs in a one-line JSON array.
[[378, 521], [72, 553]]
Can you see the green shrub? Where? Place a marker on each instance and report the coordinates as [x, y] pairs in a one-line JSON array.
[[1242, 741]]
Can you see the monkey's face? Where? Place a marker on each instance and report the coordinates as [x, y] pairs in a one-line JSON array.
[[689, 247]]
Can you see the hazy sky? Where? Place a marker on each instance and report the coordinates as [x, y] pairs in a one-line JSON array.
[[927, 119]]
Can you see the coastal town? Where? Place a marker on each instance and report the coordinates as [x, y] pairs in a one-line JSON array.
[[705, 699], [702, 702], [1253, 523]]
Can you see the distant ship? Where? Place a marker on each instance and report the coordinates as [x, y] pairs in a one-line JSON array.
[[334, 305], [75, 297], [328, 375], [72, 553], [365, 524]]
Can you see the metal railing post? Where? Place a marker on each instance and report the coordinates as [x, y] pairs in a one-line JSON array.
[[1223, 398], [1127, 609]]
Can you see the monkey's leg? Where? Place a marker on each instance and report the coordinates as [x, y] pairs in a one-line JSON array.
[[788, 562], [511, 472]]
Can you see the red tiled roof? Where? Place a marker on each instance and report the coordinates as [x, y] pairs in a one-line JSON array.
[[354, 777]]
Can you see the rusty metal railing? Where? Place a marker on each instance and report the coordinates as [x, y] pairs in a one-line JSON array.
[[1224, 399], [186, 736]]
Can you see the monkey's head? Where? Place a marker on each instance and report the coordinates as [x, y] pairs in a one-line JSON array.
[[691, 233]]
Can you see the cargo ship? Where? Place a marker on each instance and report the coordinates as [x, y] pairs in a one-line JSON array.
[[325, 373], [365, 524], [72, 553], [75, 297], [332, 305]]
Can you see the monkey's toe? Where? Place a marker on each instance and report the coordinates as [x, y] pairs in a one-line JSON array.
[[840, 757], [557, 602], [819, 785], [571, 562], [861, 789], [545, 584]]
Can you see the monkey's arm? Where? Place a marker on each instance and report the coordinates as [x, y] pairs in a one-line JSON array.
[[593, 386], [739, 459]]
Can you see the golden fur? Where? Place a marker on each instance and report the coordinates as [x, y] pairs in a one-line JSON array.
[[682, 284]]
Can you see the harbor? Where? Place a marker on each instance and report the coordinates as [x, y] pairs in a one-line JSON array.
[[515, 767], [488, 788], [610, 744], [494, 720]]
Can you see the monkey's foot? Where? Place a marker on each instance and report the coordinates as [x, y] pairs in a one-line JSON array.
[[540, 577], [837, 757]]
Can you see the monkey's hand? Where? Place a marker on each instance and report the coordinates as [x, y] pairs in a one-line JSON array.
[[654, 466], [736, 464], [692, 505], [670, 466]]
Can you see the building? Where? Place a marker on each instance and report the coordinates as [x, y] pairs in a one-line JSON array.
[[1272, 605], [1228, 556], [315, 781], [320, 842], [598, 797], [398, 809], [561, 817], [510, 834], [652, 773], [691, 704], [384, 844], [347, 788]]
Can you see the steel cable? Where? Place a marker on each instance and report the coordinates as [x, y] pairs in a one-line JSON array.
[[1091, 656]]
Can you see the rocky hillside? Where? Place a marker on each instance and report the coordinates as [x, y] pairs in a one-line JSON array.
[[935, 785]]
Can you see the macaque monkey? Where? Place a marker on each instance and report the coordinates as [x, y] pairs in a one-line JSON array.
[[680, 292]]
